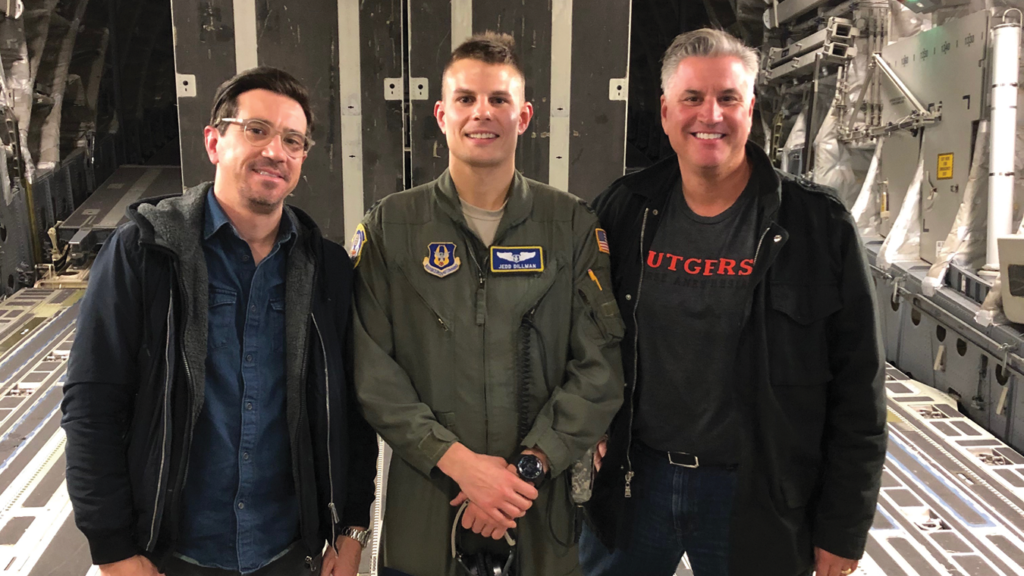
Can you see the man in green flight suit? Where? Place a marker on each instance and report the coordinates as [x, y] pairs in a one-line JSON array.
[[486, 335]]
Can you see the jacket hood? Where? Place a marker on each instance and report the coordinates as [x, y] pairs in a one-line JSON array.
[[172, 221]]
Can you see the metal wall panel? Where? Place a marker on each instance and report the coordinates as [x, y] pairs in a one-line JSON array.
[[924, 63], [204, 56], [529, 22], [303, 39], [383, 120], [358, 133], [597, 146], [15, 240], [590, 45], [430, 45], [359, 157]]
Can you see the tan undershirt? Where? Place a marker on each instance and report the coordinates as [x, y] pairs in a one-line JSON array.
[[483, 223]]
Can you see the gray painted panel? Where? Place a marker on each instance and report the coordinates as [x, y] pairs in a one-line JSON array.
[[204, 46], [529, 23], [381, 56], [598, 125], [429, 50], [304, 42]]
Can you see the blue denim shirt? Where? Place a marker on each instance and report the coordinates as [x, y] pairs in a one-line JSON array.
[[240, 507]]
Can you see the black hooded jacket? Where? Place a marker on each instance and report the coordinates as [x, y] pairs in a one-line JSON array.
[[136, 384], [809, 367]]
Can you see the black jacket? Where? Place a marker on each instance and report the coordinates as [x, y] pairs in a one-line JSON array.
[[809, 364], [136, 384]]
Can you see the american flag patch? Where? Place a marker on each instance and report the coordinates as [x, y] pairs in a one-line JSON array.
[[602, 241]]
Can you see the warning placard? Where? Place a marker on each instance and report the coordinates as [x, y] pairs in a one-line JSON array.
[[945, 168]]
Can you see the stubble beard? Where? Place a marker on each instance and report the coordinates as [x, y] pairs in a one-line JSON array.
[[258, 202]]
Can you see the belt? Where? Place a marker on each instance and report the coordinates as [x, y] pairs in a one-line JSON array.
[[685, 459]]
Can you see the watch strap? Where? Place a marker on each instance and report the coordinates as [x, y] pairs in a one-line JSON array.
[[357, 534]]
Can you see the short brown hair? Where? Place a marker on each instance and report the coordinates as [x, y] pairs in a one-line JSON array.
[[225, 101], [488, 47]]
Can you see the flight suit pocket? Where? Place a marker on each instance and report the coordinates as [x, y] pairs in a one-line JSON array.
[[603, 310], [424, 337], [797, 330], [221, 317]]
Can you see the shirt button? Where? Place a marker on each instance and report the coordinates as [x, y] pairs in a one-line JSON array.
[[245, 455], [241, 505], [248, 405], [248, 357], [245, 258], [655, 212], [778, 238], [628, 297], [253, 307]]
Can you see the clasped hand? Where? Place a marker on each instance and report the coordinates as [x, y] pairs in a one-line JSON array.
[[496, 494]]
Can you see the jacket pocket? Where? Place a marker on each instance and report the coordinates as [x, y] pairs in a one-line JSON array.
[[797, 331]]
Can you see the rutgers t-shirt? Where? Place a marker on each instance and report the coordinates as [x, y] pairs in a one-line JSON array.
[[692, 306]]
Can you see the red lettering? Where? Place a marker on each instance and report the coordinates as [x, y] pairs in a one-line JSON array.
[[725, 267], [650, 259], [686, 266], [675, 260], [709, 266], [747, 267]]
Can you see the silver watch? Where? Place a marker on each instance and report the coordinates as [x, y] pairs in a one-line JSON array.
[[358, 534]]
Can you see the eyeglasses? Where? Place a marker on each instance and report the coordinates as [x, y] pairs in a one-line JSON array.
[[260, 133]]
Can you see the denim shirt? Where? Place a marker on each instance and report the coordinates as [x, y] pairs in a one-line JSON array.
[[240, 506]]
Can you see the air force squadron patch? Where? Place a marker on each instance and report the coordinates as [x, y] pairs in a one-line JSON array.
[[517, 259], [355, 251], [441, 260]]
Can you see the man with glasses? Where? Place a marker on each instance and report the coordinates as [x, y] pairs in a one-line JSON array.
[[211, 429]]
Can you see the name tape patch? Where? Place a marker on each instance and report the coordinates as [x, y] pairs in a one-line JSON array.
[[517, 259], [441, 260]]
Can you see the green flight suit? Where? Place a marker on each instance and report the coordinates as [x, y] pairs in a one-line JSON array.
[[441, 358]]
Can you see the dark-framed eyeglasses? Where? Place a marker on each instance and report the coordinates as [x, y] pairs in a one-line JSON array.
[[260, 133]]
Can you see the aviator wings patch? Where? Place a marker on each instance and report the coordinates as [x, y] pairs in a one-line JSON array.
[[517, 259]]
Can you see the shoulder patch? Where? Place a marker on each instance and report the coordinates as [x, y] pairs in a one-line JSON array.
[[602, 241], [355, 251]]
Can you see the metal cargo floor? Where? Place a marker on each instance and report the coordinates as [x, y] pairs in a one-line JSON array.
[[952, 500]]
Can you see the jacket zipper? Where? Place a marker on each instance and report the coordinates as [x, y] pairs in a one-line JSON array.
[[167, 425], [636, 359], [761, 241], [330, 467]]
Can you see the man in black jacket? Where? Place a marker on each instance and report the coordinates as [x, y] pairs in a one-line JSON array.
[[211, 427], [754, 428]]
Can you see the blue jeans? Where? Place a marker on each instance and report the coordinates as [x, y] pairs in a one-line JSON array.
[[677, 510]]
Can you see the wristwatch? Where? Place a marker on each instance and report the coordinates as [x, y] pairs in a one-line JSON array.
[[358, 534], [530, 469]]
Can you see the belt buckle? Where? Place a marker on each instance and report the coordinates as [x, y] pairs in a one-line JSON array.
[[695, 464]]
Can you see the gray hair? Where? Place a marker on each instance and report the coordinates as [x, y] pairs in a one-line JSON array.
[[707, 43]]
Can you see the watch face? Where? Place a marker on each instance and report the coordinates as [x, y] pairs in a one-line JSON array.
[[530, 467]]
